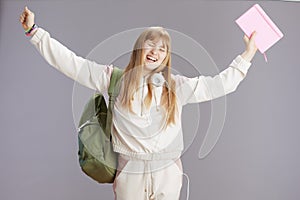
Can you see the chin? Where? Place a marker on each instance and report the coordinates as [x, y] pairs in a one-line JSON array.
[[151, 66]]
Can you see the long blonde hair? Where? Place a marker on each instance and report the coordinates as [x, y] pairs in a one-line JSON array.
[[134, 73]]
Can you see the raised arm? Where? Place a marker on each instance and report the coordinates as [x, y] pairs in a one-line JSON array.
[[86, 72], [205, 88]]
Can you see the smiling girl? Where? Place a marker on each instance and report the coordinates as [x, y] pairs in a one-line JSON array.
[[146, 128]]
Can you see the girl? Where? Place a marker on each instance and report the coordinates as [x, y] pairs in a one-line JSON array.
[[146, 129]]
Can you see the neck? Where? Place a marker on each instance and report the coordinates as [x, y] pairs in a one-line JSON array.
[[146, 73]]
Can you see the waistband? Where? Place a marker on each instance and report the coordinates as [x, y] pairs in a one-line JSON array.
[[128, 155]]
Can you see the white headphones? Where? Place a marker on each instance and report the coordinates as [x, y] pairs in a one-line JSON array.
[[157, 79]]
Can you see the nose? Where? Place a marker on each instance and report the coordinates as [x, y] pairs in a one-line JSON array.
[[154, 50]]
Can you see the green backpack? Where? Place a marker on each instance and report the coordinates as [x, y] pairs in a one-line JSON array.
[[96, 156]]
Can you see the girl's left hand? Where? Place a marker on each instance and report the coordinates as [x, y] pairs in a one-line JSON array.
[[250, 47]]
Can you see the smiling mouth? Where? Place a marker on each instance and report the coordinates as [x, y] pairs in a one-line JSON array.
[[151, 59]]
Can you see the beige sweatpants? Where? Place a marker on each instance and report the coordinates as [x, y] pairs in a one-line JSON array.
[[148, 180]]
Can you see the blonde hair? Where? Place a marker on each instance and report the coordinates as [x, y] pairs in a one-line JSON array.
[[134, 73]]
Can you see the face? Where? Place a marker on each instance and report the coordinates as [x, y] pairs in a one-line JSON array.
[[154, 54]]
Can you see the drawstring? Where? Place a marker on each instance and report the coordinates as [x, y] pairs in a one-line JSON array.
[[142, 98], [169, 97], [188, 186]]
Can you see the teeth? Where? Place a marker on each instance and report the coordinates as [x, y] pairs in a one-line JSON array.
[[151, 58]]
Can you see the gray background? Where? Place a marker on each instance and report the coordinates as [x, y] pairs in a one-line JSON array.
[[257, 156]]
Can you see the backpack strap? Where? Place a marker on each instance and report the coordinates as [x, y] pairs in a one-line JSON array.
[[113, 91]]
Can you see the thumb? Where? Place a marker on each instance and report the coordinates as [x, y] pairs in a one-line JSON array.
[[246, 39], [252, 36], [27, 11]]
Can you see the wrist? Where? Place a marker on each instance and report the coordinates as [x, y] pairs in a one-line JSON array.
[[31, 31], [248, 55], [28, 26]]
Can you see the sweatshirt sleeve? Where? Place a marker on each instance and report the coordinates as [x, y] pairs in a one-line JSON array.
[[84, 71], [205, 88]]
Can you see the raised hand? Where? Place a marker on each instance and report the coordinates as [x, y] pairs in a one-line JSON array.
[[250, 47], [27, 19]]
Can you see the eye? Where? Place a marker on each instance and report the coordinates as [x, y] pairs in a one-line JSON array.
[[149, 45], [162, 49]]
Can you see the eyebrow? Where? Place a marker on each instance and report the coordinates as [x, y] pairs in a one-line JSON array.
[[163, 46]]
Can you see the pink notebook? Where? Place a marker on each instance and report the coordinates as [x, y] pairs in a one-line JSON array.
[[255, 19]]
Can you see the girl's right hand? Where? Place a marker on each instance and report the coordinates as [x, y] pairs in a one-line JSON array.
[[27, 19]]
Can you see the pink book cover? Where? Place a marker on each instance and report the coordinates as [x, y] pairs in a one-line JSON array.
[[267, 33]]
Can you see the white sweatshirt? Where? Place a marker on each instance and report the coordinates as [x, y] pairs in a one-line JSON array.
[[141, 134]]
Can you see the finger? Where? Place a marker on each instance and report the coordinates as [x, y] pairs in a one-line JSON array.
[[253, 34], [252, 39], [21, 16]]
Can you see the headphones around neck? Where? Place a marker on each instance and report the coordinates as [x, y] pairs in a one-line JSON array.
[[157, 80]]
